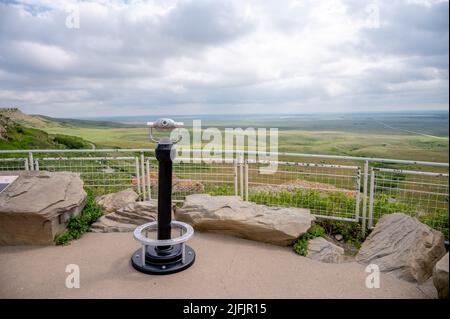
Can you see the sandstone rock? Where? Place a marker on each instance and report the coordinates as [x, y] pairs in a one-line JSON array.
[[403, 246], [187, 186], [38, 205], [300, 184], [322, 250], [338, 237], [231, 215], [126, 219], [440, 277], [112, 202], [179, 185]]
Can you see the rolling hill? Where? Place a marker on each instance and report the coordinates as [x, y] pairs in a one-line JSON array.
[[19, 131], [46, 122]]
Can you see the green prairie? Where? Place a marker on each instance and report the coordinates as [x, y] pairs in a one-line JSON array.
[[407, 146], [416, 136]]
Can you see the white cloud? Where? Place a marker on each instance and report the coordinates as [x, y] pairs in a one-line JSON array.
[[223, 56]]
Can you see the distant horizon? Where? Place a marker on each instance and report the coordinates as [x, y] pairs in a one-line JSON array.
[[256, 115]]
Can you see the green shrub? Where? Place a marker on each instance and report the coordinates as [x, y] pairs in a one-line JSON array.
[[80, 224], [71, 142], [301, 245], [221, 190], [437, 220], [351, 231]]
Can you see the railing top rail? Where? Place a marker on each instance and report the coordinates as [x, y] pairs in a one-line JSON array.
[[403, 171], [103, 158], [239, 152], [112, 150]]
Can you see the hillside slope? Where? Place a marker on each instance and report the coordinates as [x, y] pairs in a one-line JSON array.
[[14, 135], [43, 122]]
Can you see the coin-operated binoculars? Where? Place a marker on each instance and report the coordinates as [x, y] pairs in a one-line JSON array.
[[164, 255]]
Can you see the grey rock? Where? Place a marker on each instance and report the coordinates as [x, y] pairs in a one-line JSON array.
[[231, 215], [127, 218], [403, 246], [114, 201], [338, 237], [322, 250], [37, 206], [440, 277]]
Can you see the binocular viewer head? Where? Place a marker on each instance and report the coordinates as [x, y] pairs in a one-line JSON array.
[[164, 124]]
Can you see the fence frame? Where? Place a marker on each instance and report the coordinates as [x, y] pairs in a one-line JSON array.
[[373, 178], [240, 169], [357, 177]]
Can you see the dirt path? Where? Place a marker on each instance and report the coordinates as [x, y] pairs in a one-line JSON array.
[[226, 267]]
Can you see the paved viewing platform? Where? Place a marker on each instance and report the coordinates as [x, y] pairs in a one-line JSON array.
[[225, 267]]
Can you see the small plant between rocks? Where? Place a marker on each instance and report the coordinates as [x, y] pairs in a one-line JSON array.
[[80, 224], [301, 245], [352, 237], [351, 232]]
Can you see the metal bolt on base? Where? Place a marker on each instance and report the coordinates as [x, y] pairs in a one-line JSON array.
[[164, 255]]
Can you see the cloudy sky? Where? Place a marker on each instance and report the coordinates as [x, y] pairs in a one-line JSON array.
[[117, 57]]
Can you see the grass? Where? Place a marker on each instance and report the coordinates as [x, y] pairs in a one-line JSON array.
[[81, 223], [296, 141], [351, 232], [22, 137], [336, 134]]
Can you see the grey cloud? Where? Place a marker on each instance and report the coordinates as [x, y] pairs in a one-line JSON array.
[[411, 29], [219, 55], [205, 22]]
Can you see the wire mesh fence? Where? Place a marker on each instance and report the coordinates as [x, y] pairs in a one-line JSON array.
[[13, 164], [104, 174], [192, 176], [351, 189], [328, 190], [420, 194]]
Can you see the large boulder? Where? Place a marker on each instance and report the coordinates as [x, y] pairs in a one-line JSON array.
[[126, 218], [322, 250], [403, 246], [114, 201], [231, 215], [38, 205], [440, 277]]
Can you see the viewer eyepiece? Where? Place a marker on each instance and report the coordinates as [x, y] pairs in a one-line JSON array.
[[164, 124]]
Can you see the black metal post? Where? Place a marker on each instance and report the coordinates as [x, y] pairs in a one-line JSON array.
[[163, 155], [174, 256]]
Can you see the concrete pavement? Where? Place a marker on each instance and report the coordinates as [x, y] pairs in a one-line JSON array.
[[226, 267]]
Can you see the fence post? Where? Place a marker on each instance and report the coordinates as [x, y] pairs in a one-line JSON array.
[[372, 189], [31, 161], [36, 165], [235, 164], [143, 176], [27, 166], [246, 179], [241, 176], [358, 195], [366, 169], [149, 189], [138, 177]]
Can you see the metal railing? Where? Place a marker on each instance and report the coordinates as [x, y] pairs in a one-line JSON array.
[[356, 189]]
